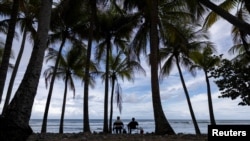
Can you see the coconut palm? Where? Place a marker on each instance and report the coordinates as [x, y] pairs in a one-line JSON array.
[[177, 51], [121, 67], [92, 20], [113, 29], [242, 13], [156, 17], [205, 61], [1, 54], [15, 120], [25, 23], [244, 26], [71, 65], [8, 45], [63, 30]]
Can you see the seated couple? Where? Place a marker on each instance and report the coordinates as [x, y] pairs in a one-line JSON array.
[[118, 126]]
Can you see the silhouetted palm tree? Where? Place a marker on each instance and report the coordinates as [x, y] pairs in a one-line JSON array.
[[8, 45], [155, 17], [15, 120], [121, 67], [26, 24], [205, 61], [113, 29], [177, 48], [244, 26], [71, 65], [242, 13], [63, 29]]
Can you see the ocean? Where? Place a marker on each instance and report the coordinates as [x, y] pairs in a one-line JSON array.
[[179, 126]]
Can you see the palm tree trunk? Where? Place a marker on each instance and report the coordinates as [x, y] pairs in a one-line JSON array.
[[106, 94], [227, 16], [13, 75], [210, 103], [111, 105], [8, 46], [247, 4], [196, 127], [64, 104], [161, 124], [51, 86], [86, 127], [14, 123]]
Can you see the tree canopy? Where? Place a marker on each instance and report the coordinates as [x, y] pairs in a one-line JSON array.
[[233, 80]]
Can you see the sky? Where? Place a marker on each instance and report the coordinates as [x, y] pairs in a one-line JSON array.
[[137, 99]]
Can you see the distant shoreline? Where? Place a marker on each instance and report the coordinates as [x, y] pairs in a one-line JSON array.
[[115, 137]]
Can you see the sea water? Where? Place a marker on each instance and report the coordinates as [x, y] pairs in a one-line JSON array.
[[148, 125]]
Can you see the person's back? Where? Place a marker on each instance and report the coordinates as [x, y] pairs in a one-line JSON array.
[[132, 125], [118, 125]]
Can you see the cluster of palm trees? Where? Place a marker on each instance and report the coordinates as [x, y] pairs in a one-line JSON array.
[[167, 32]]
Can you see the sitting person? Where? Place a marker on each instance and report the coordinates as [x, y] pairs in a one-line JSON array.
[[118, 126], [132, 125]]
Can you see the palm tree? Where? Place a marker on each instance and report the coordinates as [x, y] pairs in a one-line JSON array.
[[242, 13], [1, 54], [120, 67], [205, 61], [244, 26], [93, 11], [14, 122], [8, 46], [151, 28], [116, 29], [70, 65], [177, 50], [63, 30], [29, 10]]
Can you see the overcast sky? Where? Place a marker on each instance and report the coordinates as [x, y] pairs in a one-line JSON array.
[[137, 101]]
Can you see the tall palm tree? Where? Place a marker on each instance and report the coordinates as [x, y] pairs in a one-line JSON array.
[[154, 18], [93, 11], [14, 122], [113, 29], [63, 30], [71, 65], [29, 11], [8, 45], [177, 51], [121, 66], [205, 61]]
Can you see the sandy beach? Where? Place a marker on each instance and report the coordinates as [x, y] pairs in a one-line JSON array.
[[115, 137]]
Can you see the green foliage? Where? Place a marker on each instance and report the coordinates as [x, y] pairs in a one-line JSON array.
[[233, 80]]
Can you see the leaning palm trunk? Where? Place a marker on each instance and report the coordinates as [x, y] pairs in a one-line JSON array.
[[162, 126], [197, 130], [210, 103], [13, 75], [51, 86], [227, 16], [8, 45], [64, 104], [14, 123]]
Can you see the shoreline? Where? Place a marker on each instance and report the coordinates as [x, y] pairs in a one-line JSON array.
[[114, 137]]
